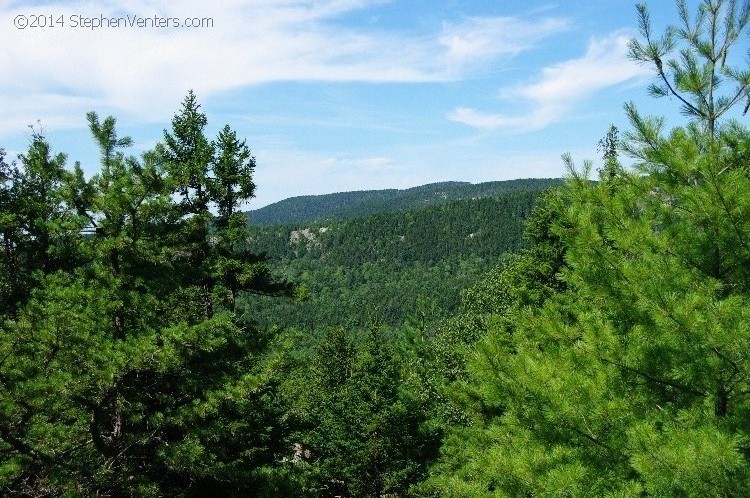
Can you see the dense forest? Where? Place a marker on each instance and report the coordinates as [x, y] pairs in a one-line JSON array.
[[590, 339], [398, 266], [345, 205]]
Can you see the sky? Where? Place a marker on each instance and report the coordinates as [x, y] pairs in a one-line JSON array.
[[333, 95]]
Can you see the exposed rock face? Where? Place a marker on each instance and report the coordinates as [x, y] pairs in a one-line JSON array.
[[297, 235]]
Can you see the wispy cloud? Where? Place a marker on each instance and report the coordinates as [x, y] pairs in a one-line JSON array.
[[145, 72], [558, 89], [484, 38]]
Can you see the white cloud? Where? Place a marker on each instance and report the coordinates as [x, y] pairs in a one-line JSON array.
[[484, 38], [538, 118], [62, 71], [560, 87]]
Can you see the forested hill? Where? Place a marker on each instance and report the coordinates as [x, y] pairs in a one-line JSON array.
[[485, 227], [392, 263], [345, 205]]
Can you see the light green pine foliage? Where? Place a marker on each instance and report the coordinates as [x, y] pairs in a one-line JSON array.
[[633, 380]]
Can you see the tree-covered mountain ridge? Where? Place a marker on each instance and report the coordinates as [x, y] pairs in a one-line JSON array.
[[485, 227], [355, 204], [395, 264]]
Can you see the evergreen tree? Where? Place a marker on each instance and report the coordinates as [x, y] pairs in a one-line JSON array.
[[634, 379], [132, 373], [362, 426], [37, 226], [188, 155], [695, 78], [608, 147], [232, 180]]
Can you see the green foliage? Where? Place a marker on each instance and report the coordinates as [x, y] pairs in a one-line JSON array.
[[359, 204], [129, 358], [632, 377], [233, 168], [35, 230], [141, 354], [362, 427], [401, 264], [522, 280], [705, 44], [608, 147], [638, 373], [125, 369]]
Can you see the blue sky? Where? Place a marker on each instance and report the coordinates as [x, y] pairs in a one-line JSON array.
[[336, 95]]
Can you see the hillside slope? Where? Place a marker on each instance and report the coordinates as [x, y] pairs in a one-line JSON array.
[[390, 267], [357, 204]]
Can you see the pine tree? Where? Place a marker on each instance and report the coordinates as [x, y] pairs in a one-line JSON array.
[[695, 78], [38, 228], [634, 379], [130, 372], [362, 427]]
